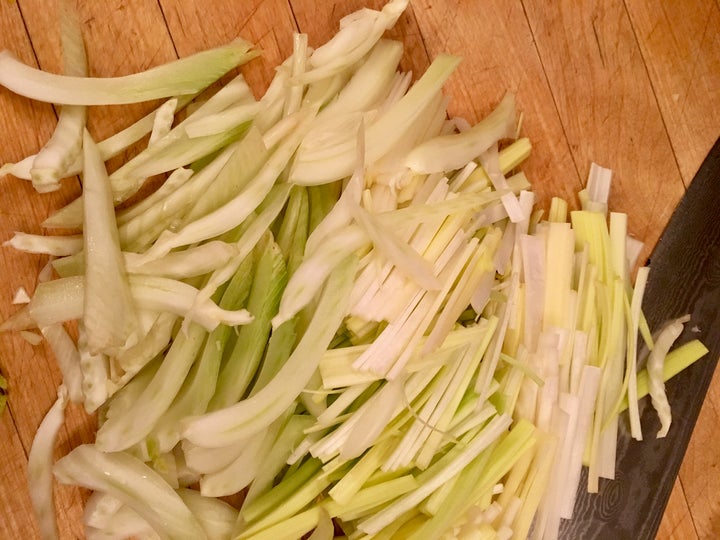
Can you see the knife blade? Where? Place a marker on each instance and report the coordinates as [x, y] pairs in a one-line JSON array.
[[684, 279]]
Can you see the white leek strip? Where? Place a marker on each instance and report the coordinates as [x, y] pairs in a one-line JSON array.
[[185, 76], [632, 344], [61, 300], [135, 484], [358, 33], [310, 276], [597, 191], [399, 253], [655, 363], [109, 312], [40, 460], [587, 392], [59, 246], [222, 121], [163, 120], [449, 152], [257, 412], [68, 359], [56, 158], [240, 207], [470, 451], [373, 419]]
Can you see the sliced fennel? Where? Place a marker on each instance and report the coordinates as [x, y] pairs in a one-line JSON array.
[[339, 302]]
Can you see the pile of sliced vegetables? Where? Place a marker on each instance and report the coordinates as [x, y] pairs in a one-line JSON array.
[[339, 303]]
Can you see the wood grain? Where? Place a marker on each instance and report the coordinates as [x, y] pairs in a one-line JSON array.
[[633, 85]]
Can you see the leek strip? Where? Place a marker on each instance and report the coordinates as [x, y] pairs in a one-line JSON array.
[[255, 413], [469, 452], [55, 159], [109, 312], [402, 256], [675, 361], [40, 460], [135, 484], [58, 246], [120, 432], [185, 76], [275, 459]]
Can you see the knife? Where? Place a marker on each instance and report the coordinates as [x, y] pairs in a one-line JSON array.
[[684, 279]]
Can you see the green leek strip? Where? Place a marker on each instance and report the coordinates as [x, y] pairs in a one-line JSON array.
[[109, 312], [241, 366], [255, 413], [273, 462], [255, 510], [185, 76], [135, 484], [40, 460], [56, 158], [469, 452]]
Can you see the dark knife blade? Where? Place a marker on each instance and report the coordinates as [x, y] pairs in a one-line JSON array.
[[684, 278]]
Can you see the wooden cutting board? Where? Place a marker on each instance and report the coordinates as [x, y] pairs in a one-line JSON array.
[[632, 85]]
